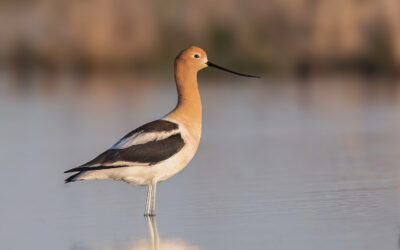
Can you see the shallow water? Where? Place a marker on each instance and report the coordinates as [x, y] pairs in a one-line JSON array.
[[281, 165]]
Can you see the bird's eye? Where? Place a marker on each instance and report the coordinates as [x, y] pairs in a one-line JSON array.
[[196, 56]]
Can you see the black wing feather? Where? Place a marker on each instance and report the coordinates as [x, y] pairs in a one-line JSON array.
[[150, 152], [140, 153]]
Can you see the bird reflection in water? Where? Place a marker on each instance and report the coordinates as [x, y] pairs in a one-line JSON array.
[[155, 243], [151, 224]]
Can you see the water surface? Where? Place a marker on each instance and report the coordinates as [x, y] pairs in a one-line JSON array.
[[281, 165]]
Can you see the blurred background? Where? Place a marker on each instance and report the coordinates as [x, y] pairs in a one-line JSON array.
[[307, 157], [286, 36]]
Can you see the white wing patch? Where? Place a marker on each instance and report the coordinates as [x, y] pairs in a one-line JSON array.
[[142, 137], [120, 163]]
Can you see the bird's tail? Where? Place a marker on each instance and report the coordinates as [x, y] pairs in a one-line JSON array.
[[72, 178]]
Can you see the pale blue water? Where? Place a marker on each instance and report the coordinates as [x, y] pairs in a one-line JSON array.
[[281, 165]]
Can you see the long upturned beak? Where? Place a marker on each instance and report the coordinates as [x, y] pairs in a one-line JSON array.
[[210, 64]]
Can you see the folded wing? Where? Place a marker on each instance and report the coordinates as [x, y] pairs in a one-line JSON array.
[[147, 145]]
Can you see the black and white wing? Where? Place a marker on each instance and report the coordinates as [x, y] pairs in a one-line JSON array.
[[147, 145]]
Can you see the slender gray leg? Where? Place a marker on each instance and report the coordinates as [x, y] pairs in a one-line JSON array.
[[148, 201], [151, 200]]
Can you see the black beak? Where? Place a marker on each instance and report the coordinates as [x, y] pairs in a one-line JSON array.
[[210, 64]]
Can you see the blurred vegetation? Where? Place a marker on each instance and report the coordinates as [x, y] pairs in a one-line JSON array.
[[275, 36]]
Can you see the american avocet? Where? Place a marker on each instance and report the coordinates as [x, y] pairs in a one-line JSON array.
[[157, 150]]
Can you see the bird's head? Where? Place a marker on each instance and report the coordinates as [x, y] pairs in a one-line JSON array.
[[195, 58]]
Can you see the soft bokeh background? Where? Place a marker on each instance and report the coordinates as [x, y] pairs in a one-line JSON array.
[[307, 157], [284, 36]]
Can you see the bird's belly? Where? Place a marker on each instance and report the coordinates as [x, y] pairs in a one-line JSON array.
[[145, 175]]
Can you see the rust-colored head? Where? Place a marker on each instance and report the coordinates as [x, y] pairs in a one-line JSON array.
[[192, 58], [195, 59]]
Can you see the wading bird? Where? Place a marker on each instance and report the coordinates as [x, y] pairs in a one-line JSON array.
[[160, 149]]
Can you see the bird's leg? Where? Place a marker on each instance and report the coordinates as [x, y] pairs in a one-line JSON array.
[[148, 201], [151, 200]]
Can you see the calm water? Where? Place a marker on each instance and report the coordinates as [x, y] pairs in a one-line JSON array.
[[281, 165]]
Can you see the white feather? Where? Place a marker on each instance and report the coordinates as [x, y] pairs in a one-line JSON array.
[[142, 138]]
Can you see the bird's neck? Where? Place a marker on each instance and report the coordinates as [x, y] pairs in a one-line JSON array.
[[188, 109]]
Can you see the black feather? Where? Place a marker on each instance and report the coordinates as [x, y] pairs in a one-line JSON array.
[[151, 152], [140, 152], [71, 178]]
